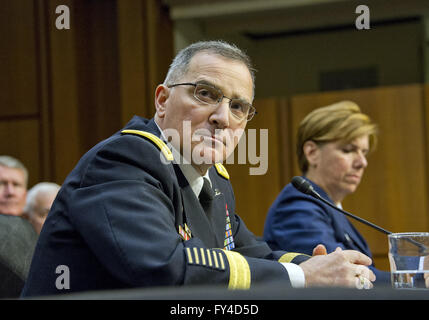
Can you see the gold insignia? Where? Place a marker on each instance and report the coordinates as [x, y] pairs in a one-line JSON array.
[[221, 170], [239, 271], [190, 257], [157, 141], [210, 258], [288, 257]]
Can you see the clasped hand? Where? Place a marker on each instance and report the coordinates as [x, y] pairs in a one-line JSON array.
[[341, 268]]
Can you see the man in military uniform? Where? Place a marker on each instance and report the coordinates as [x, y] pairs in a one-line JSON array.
[[153, 206]]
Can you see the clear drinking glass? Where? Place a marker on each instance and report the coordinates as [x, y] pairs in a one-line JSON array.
[[409, 260]]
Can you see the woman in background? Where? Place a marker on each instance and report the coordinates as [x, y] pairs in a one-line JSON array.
[[332, 147]]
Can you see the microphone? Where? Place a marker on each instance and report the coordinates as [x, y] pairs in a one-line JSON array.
[[304, 186]]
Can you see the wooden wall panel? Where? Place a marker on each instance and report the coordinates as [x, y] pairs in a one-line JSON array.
[[255, 193], [63, 102], [18, 82], [145, 37], [79, 85], [21, 139], [158, 44], [393, 192], [96, 71], [132, 53], [20, 114]]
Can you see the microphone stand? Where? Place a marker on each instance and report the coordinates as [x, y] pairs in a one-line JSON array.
[[351, 215], [305, 187]]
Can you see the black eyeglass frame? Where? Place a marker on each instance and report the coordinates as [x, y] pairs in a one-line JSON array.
[[252, 110]]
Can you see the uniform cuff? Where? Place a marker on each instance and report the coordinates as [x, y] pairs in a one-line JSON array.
[[296, 274]]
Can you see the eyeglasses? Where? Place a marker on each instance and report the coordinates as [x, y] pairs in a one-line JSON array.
[[213, 96]]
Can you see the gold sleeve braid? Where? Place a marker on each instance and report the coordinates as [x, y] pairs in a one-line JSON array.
[[239, 271], [288, 257]]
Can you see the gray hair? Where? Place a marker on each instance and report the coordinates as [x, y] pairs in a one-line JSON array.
[[33, 193], [180, 65], [11, 162]]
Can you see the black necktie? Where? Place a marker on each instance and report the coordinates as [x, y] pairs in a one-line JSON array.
[[206, 196]]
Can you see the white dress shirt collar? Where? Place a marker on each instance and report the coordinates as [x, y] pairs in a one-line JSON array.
[[195, 179]]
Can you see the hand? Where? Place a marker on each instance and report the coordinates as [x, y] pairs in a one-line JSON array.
[[343, 268]]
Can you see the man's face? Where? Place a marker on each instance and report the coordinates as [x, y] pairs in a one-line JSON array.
[[13, 191], [41, 209], [214, 132]]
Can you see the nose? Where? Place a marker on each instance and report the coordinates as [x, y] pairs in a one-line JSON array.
[[220, 116], [8, 189], [361, 161]]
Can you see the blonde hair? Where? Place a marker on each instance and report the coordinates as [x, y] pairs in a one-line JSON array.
[[339, 121]]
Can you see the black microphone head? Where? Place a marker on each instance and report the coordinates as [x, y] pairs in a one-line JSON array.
[[302, 185]]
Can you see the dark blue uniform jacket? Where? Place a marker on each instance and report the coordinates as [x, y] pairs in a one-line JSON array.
[[299, 222], [115, 224]]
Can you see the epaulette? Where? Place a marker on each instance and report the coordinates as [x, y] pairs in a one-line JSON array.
[[153, 138], [221, 170]]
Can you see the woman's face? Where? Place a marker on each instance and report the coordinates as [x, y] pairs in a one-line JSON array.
[[338, 166]]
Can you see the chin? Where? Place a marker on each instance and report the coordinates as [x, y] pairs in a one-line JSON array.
[[217, 157], [11, 213], [208, 156], [351, 189]]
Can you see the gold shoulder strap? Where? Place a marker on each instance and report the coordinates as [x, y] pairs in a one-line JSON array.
[[221, 170], [157, 141]]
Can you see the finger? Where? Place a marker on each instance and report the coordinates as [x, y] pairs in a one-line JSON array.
[[363, 283], [320, 250], [367, 284], [372, 276], [365, 272], [357, 257]]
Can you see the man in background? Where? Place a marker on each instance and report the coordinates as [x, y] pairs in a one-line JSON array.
[[39, 201], [17, 237], [13, 186]]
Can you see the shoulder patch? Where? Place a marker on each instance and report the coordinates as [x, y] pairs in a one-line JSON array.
[[157, 141], [221, 170]]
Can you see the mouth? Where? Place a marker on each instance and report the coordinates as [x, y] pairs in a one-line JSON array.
[[8, 204], [219, 139], [354, 177], [214, 139]]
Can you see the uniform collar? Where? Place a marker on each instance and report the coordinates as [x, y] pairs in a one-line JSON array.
[[194, 179]]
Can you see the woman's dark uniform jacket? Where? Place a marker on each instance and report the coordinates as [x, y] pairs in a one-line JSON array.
[[297, 221], [115, 224]]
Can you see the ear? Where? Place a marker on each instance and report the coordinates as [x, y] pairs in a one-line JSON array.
[[311, 152], [161, 96]]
